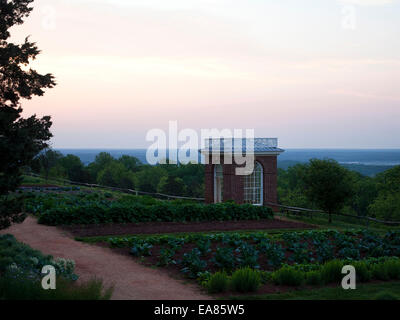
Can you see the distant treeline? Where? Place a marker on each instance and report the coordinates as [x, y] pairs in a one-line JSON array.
[[123, 172], [377, 196], [364, 169]]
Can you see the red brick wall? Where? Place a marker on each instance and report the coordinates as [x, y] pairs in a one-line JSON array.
[[233, 184], [270, 182]]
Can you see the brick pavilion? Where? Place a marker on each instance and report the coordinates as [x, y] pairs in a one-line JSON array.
[[222, 183]]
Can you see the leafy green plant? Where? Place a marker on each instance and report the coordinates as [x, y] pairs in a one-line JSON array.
[[141, 249], [204, 245], [349, 253], [248, 256], [166, 257], [193, 264], [224, 258], [324, 251], [274, 252], [300, 253]]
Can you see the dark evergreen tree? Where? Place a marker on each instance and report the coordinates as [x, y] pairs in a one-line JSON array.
[[21, 139]]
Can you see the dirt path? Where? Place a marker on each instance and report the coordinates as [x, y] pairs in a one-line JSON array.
[[131, 280]]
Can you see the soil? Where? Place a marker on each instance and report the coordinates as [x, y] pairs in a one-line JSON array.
[[176, 227]]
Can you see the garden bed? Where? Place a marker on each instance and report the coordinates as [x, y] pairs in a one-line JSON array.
[[214, 252], [177, 227], [281, 262]]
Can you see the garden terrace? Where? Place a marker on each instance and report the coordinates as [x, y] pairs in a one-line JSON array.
[[276, 261], [82, 209], [196, 253]]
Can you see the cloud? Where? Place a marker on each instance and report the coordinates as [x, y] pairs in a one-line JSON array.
[[369, 2]]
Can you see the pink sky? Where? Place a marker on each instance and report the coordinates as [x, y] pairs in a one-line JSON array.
[[287, 69]]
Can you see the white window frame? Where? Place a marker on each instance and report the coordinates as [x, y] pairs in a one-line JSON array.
[[250, 186], [218, 167]]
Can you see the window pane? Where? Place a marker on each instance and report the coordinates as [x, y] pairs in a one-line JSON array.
[[253, 186]]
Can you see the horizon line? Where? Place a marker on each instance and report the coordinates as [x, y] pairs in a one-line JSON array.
[[285, 148]]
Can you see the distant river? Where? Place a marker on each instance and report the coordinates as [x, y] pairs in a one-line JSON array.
[[369, 157]]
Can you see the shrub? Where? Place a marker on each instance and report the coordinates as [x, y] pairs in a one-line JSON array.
[[392, 268], [313, 278], [332, 271], [245, 280], [20, 275], [288, 276], [363, 274], [379, 272], [19, 258], [218, 282]]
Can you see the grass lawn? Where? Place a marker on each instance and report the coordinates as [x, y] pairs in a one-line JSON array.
[[373, 291]]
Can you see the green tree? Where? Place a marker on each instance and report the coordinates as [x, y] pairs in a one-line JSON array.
[[101, 161], [149, 178], [386, 206], [131, 163], [73, 167], [116, 175], [21, 139], [389, 180], [45, 161], [171, 185], [365, 191], [291, 187], [327, 184], [193, 178]]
